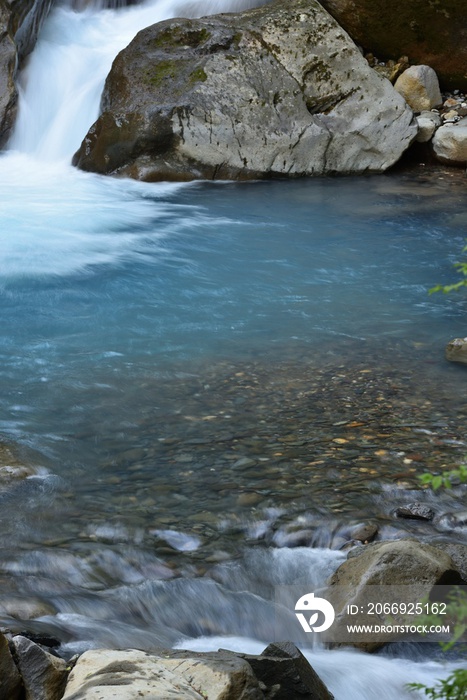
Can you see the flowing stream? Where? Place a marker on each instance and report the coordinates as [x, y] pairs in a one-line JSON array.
[[179, 362]]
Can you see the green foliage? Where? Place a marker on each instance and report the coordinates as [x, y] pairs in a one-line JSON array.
[[455, 616], [446, 288], [454, 687], [445, 480]]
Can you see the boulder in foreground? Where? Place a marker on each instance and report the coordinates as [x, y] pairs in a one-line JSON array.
[[281, 672], [272, 92], [410, 567]]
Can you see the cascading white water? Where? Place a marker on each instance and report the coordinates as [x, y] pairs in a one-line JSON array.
[[50, 207], [56, 221], [61, 87]]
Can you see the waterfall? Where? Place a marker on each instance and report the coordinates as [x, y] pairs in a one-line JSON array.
[[61, 86], [57, 211]]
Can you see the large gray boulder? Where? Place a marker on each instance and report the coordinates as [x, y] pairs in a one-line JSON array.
[[280, 672], [124, 675], [20, 22], [406, 569], [280, 90]]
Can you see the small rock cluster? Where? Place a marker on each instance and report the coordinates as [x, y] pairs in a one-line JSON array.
[[419, 86], [454, 107], [388, 69]]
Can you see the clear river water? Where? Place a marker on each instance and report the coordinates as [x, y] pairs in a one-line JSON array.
[[197, 370]]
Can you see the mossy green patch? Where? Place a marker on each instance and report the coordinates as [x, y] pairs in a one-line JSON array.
[[160, 71], [198, 75], [174, 37]]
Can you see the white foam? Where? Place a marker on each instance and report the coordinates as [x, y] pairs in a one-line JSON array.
[[55, 220], [348, 674]]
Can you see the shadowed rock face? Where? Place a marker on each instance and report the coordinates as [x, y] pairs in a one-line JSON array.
[[276, 91], [427, 31], [20, 22]]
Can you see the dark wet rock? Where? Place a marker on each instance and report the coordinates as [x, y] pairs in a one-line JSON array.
[[416, 511], [11, 687], [410, 564], [294, 538], [350, 544], [276, 91], [44, 675], [365, 532], [431, 33], [20, 22], [458, 553], [287, 674], [249, 499], [452, 521]]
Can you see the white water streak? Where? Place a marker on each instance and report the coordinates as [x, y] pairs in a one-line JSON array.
[[62, 85], [54, 219]]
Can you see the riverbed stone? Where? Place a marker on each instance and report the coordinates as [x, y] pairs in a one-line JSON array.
[[415, 511], [279, 90], [433, 33], [450, 147], [24, 608], [456, 349], [185, 675], [419, 86], [364, 532], [456, 520], [44, 675], [409, 567], [428, 122]]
